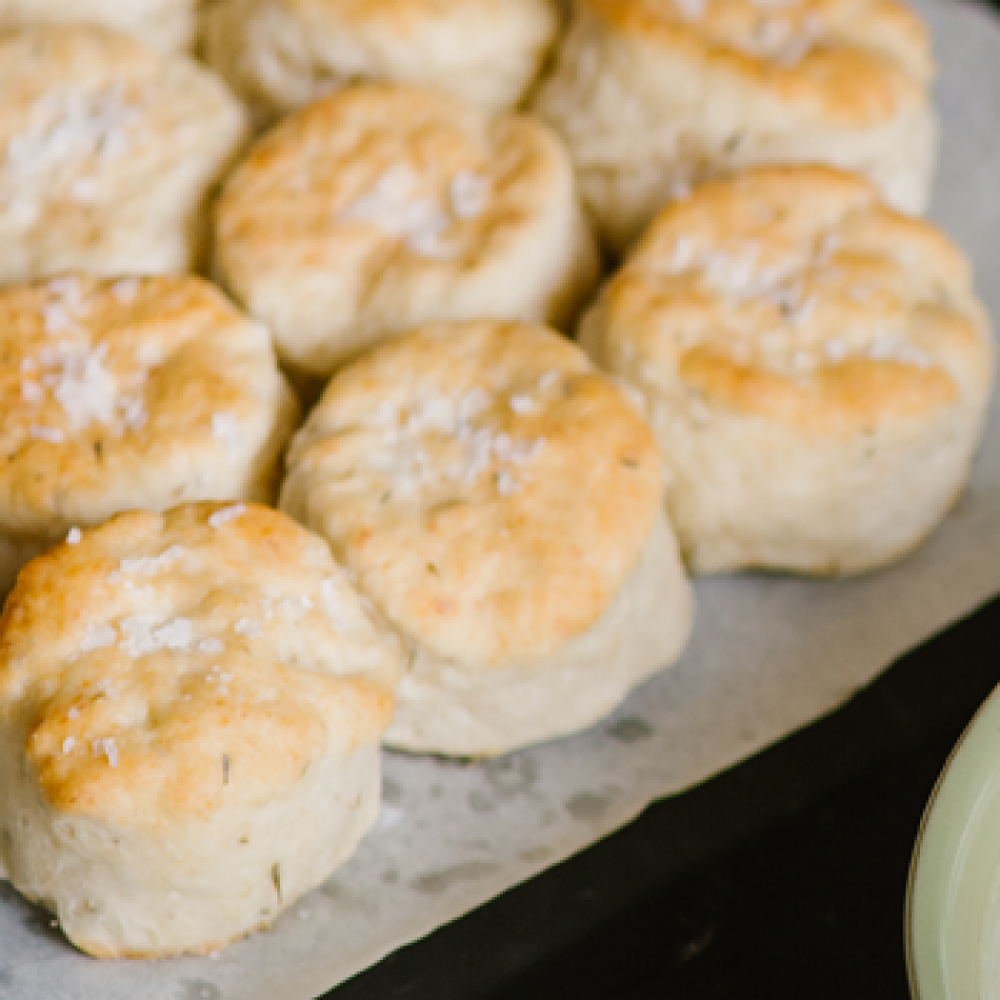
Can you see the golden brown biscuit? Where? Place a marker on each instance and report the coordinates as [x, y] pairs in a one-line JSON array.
[[190, 708], [817, 369], [380, 208], [654, 95], [281, 54], [123, 393], [108, 152], [167, 25], [501, 504]]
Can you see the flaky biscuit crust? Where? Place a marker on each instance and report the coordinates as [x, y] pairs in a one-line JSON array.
[[817, 367], [444, 707], [178, 694], [281, 54], [874, 56], [165, 25], [123, 393], [110, 153], [380, 208], [480, 573], [494, 495], [654, 95]]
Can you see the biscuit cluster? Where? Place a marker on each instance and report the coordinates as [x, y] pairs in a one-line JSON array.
[[298, 455]]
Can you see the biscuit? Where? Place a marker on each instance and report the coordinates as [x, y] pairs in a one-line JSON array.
[[126, 393], [501, 505], [816, 366], [167, 25], [282, 54], [382, 208], [654, 95], [108, 152], [190, 710]]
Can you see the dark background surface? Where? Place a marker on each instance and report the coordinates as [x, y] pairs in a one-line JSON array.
[[784, 877]]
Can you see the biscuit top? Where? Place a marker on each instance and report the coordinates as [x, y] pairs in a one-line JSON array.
[[794, 294], [122, 393], [368, 171], [167, 25], [380, 184], [89, 119], [403, 13], [492, 491], [856, 61], [169, 666], [407, 18]]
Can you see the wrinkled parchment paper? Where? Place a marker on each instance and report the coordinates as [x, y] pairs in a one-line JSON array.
[[768, 657]]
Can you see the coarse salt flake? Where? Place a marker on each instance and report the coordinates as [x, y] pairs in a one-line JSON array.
[[81, 384], [462, 419], [84, 190], [690, 10], [248, 627], [211, 646], [330, 593], [393, 206], [65, 129], [133, 412], [836, 350], [57, 319], [74, 537], [151, 565], [142, 636], [470, 194], [802, 361], [684, 254], [507, 485], [473, 403], [295, 606], [126, 290], [176, 634], [336, 610], [226, 427], [222, 517], [68, 744], [106, 747], [22, 211], [51, 435], [67, 288], [98, 637]]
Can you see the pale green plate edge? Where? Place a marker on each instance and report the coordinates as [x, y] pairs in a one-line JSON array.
[[953, 874]]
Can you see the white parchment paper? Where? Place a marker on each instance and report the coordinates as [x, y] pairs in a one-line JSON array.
[[768, 657]]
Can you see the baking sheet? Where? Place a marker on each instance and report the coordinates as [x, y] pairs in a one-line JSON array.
[[769, 656]]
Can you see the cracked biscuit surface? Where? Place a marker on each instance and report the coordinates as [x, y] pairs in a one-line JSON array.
[[129, 393], [654, 95], [190, 709], [501, 504], [380, 208], [816, 366]]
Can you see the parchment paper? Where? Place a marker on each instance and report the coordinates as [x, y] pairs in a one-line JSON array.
[[768, 657]]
